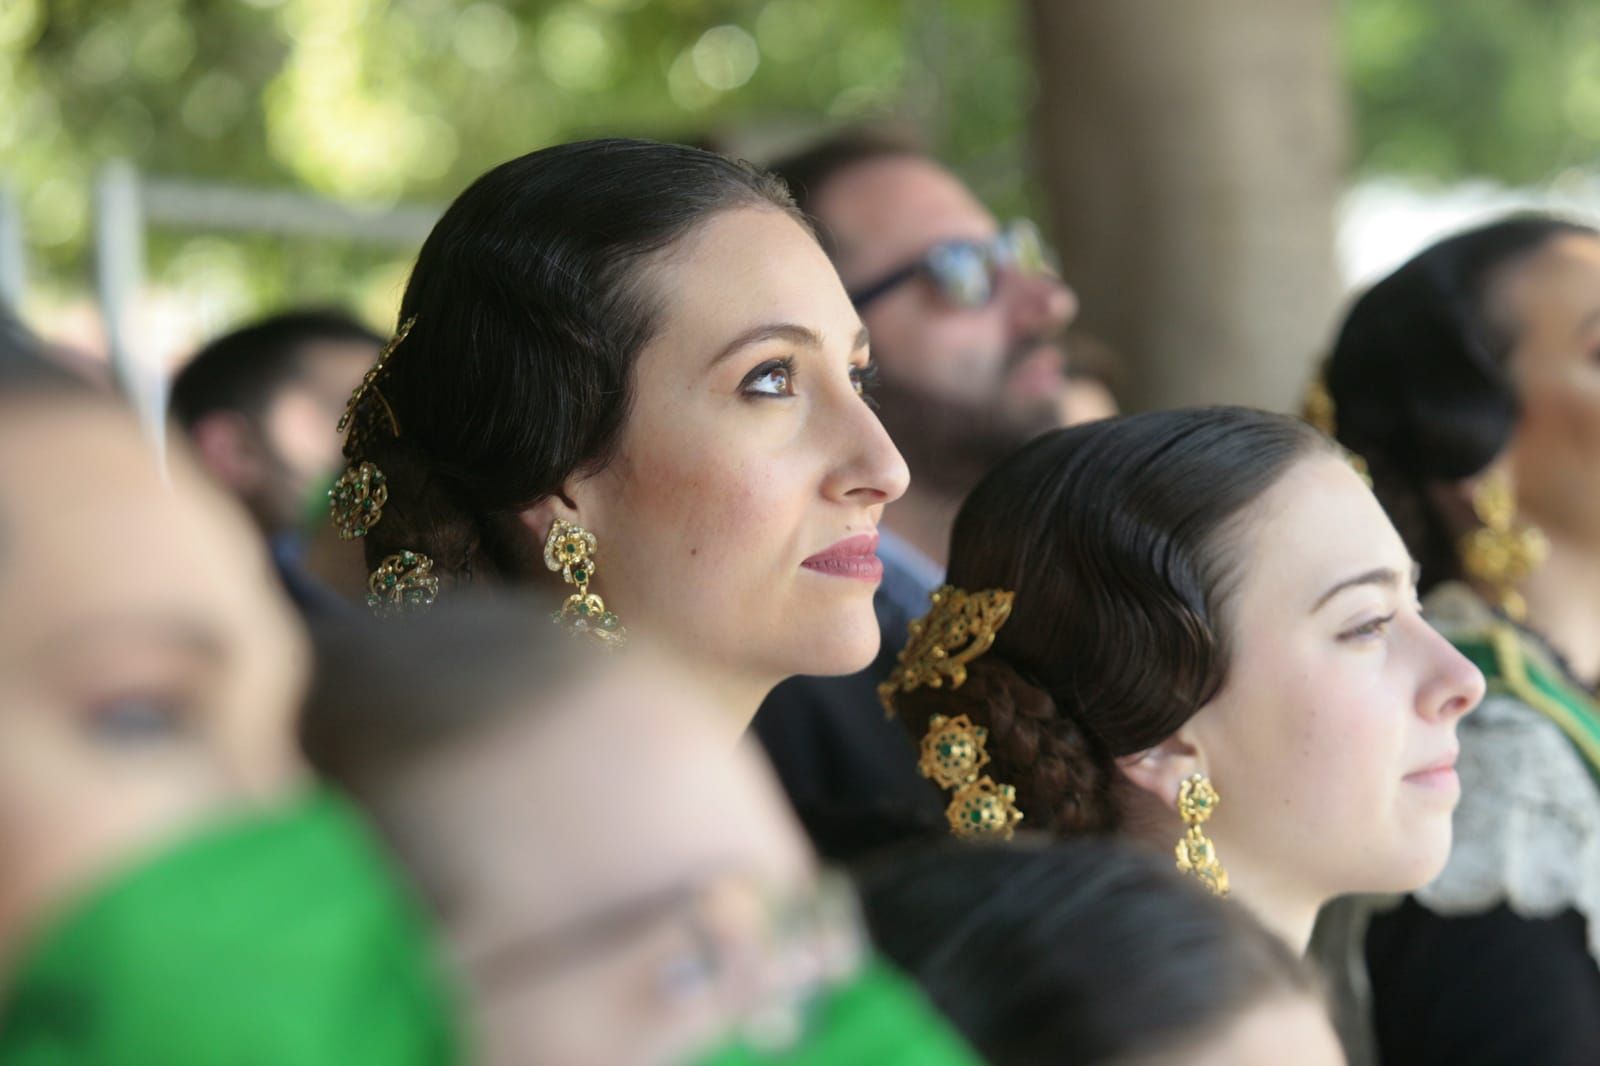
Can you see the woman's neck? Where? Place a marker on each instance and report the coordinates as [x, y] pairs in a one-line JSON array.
[[1289, 911], [1563, 597]]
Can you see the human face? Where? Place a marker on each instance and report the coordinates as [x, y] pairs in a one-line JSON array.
[[1333, 741], [149, 669], [651, 899], [304, 450], [1553, 303], [738, 523], [1002, 361]]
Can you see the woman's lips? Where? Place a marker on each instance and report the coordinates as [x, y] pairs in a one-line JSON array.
[[1440, 774], [854, 557]]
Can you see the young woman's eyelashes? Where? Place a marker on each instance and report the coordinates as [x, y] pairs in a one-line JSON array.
[[1376, 627], [777, 377]]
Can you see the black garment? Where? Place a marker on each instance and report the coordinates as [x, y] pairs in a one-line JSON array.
[[850, 771], [1491, 989]]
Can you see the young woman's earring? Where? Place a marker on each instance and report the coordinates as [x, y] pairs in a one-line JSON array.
[[1197, 855], [572, 550], [1501, 551]]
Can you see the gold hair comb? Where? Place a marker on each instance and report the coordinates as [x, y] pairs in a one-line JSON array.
[[958, 628]]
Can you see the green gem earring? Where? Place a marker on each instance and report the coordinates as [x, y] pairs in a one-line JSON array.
[[572, 551]]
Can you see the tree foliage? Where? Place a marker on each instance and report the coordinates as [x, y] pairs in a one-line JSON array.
[[383, 101]]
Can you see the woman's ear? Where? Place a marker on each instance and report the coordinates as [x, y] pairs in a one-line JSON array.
[[539, 517], [1159, 770]]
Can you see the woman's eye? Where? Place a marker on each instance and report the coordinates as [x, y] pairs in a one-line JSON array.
[[865, 379], [138, 718], [770, 379], [1376, 627]]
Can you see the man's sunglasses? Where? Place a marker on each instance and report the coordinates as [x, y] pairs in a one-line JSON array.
[[966, 273]]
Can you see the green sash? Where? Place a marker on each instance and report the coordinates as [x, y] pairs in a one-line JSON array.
[[879, 1019], [278, 940], [1514, 667]]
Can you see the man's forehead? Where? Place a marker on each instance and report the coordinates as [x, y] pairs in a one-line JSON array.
[[881, 211]]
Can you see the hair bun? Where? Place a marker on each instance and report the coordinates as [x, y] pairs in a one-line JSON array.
[[1060, 776]]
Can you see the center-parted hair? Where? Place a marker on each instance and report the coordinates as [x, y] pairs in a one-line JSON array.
[[532, 299], [1121, 541]]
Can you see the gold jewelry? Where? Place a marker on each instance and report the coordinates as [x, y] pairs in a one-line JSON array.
[[952, 754], [959, 627], [369, 383], [1319, 411], [1197, 855], [1502, 551], [356, 500], [403, 582], [572, 550]]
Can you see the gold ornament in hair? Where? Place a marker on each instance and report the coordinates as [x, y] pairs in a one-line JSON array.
[[572, 551], [1502, 551], [403, 582], [1319, 411], [369, 382], [952, 754], [356, 500], [956, 630], [1197, 855]]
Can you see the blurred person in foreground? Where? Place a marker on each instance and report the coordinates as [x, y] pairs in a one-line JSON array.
[[966, 317], [260, 404], [1468, 381], [618, 887], [171, 891], [1090, 954]]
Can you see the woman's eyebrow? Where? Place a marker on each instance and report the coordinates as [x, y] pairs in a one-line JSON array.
[[195, 635], [1382, 575], [789, 331]]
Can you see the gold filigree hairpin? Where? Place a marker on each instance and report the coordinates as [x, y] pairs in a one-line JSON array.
[[953, 752], [403, 582], [958, 628], [356, 500], [369, 382]]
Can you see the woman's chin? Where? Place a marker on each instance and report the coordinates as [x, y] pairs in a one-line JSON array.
[[846, 646]]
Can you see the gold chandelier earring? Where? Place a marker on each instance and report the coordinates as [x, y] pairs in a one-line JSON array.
[[1197, 855], [573, 551], [1502, 551]]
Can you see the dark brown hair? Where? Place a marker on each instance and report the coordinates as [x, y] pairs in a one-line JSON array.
[[1120, 541], [1420, 375], [1083, 952]]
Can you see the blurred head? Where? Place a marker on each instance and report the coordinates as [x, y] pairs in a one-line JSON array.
[[261, 403], [1212, 591], [971, 368], [617, 884], [643, 340], [1482, 352], [149, 668], [1089, 954]]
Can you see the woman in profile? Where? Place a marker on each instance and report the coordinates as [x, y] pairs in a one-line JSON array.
[[628, 369], [1205, 637], [1469, 382]]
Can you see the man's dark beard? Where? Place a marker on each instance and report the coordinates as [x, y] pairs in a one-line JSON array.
[[950, 445]]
